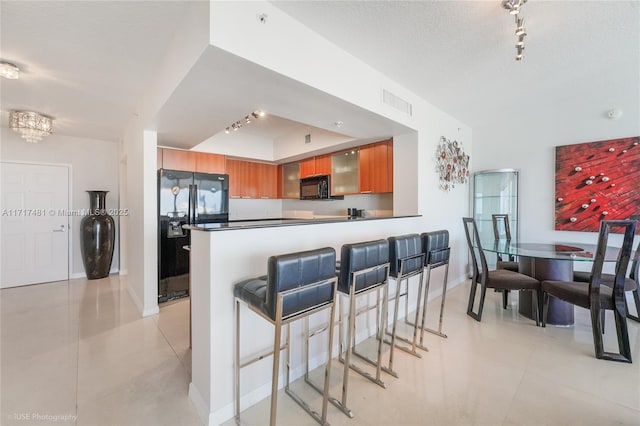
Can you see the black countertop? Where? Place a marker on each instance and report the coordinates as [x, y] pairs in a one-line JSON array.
[[268, 223]]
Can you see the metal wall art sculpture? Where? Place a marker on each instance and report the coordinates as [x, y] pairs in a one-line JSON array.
[[452, 164], [597, 181]]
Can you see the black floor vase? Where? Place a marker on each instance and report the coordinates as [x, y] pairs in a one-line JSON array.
[[97, 235]]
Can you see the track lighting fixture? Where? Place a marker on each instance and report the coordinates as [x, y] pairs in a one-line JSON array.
[[514, 7], [246, 120]]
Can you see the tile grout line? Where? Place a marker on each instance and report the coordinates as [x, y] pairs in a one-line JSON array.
[[156, 318]]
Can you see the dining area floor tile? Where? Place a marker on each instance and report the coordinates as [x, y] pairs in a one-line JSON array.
[[78, 353]]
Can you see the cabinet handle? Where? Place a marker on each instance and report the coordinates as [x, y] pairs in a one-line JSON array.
[[366, 192], [265, 198], [245, 197], [235, 196]]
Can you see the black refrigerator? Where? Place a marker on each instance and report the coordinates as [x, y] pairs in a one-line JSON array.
[[184, 198]]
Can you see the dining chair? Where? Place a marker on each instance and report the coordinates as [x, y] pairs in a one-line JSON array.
[[502, 230], [597, 297], [501, 279], [630, 283]]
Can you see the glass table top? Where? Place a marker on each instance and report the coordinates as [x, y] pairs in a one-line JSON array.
[[558, 251]]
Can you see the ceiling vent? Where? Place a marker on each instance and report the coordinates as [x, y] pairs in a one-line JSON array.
[[396, 102]]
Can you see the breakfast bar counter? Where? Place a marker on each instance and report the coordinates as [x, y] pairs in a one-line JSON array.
[[224, 254], [268, 223]]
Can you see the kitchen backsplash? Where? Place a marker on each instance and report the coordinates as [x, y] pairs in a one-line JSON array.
[[372, 204]]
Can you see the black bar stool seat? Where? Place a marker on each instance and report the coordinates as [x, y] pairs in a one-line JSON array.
[[435, 246], [364, 268], [297, 285], [406, 260]]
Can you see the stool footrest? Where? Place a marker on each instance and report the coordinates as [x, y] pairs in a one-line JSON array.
[[262, 355], [339, 405], [404, 348], [436, 332], [306, 407]]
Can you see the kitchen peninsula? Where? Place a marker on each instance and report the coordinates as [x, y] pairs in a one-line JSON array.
[[222, 255]]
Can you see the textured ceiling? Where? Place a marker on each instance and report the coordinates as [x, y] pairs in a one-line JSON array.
[[459, 55]]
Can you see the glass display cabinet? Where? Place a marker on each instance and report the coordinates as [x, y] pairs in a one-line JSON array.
[[495, 192]]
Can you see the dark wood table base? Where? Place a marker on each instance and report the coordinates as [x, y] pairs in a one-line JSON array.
[[560, 312]]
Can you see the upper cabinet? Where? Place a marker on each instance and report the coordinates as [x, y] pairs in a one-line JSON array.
[[344, 172], [323, 164], [210, 163], [289, 180], [307, 167], [190, 161], [177, 159], [320, 165], [267, 180], [376, 167], [248, 179]]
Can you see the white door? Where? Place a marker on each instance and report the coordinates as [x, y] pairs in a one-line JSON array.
[[34, 224]]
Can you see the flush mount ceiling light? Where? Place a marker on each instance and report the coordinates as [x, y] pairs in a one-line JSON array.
[[9, 70], [30, 125], [514, 7], [246, 120]]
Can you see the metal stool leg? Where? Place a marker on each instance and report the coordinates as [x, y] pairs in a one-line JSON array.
[[236, 375], [276, 362], [444, 295], [414, 341]]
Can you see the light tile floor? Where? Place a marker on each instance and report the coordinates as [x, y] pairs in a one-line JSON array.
[[77, 352]]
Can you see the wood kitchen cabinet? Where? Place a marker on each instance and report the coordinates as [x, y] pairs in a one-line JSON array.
[[177, 159], [376, 167], [319, 165], [267, 180], [307, 167], [210, 163], [323, 164], [248, 179]]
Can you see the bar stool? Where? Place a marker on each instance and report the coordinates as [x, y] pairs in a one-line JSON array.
[[364, 269], [406, 260], [435, 246], [297, 285]]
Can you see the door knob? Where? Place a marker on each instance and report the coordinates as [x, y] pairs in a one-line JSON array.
[[59, 230]]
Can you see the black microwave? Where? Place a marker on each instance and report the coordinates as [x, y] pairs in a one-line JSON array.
[[315, 187]]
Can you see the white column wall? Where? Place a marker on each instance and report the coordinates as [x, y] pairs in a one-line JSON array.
[[139, 155]]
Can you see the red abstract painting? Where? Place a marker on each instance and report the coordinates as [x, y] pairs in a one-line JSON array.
[[597, 181]]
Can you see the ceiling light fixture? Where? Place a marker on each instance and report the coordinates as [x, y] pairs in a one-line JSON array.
[[520, 27], [514, 6], [246, 120], [30, 125], [9, 70]]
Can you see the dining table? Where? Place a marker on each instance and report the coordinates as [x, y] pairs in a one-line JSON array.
[[548, 261]]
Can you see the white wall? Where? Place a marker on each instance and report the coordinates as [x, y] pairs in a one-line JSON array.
[[94, 166], [528, 143]]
